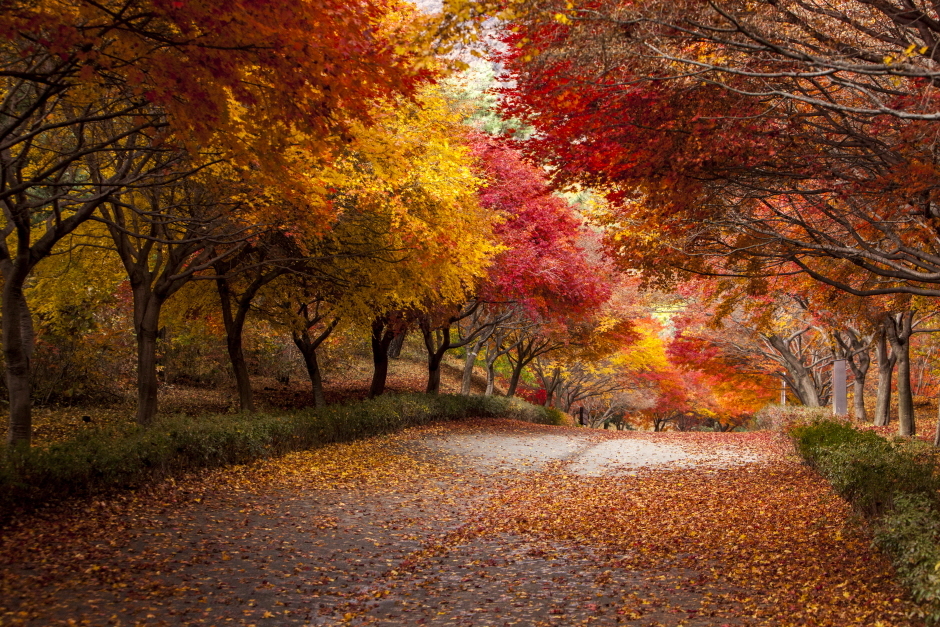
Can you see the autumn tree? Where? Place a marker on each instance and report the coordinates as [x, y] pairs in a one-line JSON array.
[[410, 241], [165, 236], [540, 278], [737, 179], [126, 86]]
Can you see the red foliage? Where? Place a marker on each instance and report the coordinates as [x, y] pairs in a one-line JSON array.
[[536, 396], [544, 267]]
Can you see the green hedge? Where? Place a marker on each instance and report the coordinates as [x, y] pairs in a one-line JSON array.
[[896, 484], [105, 460]]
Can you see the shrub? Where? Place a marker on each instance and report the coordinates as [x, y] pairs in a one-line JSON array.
[[110, 459], [866, 468], [911, 534], [557, 417], [896, 484]]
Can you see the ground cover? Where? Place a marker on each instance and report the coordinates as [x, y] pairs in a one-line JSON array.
[[728, 529]]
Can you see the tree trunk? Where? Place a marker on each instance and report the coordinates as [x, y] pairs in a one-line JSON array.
[[856, 355], [885, 361], [804, 385], [434, 376], [858, 400], [491, 357], [514, 379], [936, 433], [808, 389], [382, 337], [898, 327], [309, 353], [234, 329], [394, 349], [435, 356], [436, 347], [17, 351], [551, 387], [469, 363], [308, 348], [490, 378], [236, 354], [906, 424], [147, 328]]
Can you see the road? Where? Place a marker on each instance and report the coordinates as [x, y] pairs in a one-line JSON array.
[[485, 523]]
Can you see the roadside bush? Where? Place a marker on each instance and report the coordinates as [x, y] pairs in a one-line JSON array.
[[896, 484], [866, 468], [109, 459], [557, 417], [911, 534]]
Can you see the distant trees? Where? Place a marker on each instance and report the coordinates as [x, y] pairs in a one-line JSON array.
[[752, 142], [121, 112], [286, 168]]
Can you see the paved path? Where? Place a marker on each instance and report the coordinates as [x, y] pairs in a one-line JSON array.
[[584, 453], [481, 524]]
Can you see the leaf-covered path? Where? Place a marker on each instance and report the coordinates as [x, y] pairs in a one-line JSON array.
[[487, 523]]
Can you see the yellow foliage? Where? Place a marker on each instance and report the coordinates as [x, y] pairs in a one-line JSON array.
[[409, 232]]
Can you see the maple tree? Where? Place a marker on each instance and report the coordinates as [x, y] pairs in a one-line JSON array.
[[713, 172], [410, 240], [708, 177], [540, 271], [127, 87], [165, 236]]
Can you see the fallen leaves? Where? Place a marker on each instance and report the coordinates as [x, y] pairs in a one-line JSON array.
[[387, 531]]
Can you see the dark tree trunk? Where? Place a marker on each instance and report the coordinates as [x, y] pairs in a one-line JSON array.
[[236, 354], [382, 336], [308, 348], [394, 349], [898, 327], [885, 360], [526, 351], [514, 379], [234, 328], [434, 376], [147, 327], [309, 353], [17, 352], [436, 347]]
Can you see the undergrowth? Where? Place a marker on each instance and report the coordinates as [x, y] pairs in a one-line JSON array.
[[895, 484], [104, 460]]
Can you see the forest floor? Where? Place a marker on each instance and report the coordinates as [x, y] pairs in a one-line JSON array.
[[53, 422], [483, 523]]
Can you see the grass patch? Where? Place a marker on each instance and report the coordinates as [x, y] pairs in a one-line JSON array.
[[893, 483], [109, 459]]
